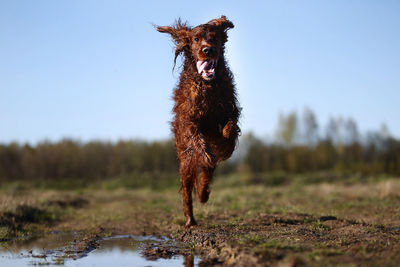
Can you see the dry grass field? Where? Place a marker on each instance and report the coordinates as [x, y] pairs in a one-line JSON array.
[[257, 220]]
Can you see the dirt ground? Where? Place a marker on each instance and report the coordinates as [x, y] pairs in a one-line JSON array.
[[243, 224]]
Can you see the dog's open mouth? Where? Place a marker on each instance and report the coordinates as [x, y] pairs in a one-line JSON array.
[[206, 68]]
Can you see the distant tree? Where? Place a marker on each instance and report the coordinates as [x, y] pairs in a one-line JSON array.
[[250, 151], [351, 132], [310, 127], [287, 131], [377, 139], [245, 142], [10, 161], [332, 131], [384, 131]]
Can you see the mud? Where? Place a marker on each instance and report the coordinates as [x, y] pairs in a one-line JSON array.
[[294, 240]]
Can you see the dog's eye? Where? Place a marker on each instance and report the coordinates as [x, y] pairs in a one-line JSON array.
[[196, 39]]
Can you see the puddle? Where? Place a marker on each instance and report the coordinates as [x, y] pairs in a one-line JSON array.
[[72, 249], [394, 229]]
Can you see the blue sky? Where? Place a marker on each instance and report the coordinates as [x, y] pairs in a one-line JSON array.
[[99, 70]]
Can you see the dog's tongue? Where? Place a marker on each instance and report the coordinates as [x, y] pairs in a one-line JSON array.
[[201, 64]]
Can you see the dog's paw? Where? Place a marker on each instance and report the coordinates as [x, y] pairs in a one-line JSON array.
[[204, 194], [190, 222], [227, 130]]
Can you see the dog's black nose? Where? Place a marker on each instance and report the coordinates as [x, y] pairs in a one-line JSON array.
[[208, 50]]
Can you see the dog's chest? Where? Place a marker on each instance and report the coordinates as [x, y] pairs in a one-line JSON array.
[[204, 99]]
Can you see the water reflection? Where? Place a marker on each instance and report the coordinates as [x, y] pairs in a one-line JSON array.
[[112, 251]]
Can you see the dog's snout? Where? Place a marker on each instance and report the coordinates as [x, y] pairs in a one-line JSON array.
[[208, 50]]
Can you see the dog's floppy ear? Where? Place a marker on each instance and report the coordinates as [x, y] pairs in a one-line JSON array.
[[222, 22], [179, 32]]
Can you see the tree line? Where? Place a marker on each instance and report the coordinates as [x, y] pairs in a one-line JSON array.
[[70, 159], [369, 158], [299, 145]]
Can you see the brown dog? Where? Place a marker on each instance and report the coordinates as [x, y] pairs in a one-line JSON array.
[[206, 109]]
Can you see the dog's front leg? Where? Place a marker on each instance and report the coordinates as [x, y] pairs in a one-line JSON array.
[[188, 174], [187, 204]]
